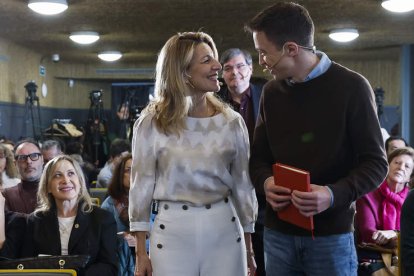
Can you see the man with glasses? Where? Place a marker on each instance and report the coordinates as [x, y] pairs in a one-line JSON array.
[[29, 163], [318, 116], [244, 97]]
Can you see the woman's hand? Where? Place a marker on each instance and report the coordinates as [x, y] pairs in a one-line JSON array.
[[130, 239], [251, 263], [143, 265], [383, 237]]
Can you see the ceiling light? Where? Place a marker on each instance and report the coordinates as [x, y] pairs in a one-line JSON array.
[[48, 7], [344, 35], [398, 5], [110, 55], [84, 37]]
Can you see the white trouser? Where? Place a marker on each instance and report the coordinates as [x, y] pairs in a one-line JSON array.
[[197, 241]]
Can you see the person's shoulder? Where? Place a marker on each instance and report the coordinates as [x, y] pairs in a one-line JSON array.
[[107, 203], [15, 217], [102, 214], [341, 70], [10, 191]]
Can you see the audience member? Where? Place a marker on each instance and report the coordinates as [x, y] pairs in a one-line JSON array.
[[8, 170], [318, 116], [407, 236], [378, 212], [190, 153], [66, 223], [75, 150], [8, 143], [29, 160], [118, 149], [51, 149], [394, 142], [244, 97], [117, 204], [12, 227]]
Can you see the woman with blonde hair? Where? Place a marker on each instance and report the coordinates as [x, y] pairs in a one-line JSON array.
[[8, 170], [190, 155], [66, 223]]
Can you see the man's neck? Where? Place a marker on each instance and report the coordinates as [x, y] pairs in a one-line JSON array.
[[305, 65], [236, 96]]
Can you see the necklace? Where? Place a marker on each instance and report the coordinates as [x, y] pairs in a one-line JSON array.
[[65, 225]]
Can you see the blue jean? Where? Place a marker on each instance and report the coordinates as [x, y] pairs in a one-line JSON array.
[[296, 255]]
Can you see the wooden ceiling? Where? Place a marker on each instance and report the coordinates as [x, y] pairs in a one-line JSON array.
[[139, 28]]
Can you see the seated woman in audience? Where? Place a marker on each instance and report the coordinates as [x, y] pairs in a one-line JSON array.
[[117, 204], [8, 170], [66, 223], [378, 213], [12, 227]]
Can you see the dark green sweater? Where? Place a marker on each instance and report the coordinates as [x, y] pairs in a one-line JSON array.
[[329, 127]]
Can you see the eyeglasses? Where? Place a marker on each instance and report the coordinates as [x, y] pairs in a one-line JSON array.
[[33, 156], [241, 67]]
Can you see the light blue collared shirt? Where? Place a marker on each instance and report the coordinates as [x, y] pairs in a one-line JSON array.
[[322, 67]]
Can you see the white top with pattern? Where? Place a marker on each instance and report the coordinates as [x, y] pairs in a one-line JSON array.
[[206, 163]]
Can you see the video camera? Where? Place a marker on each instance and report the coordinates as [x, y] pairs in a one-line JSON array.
[[96, 97]]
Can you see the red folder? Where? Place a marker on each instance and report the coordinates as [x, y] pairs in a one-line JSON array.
[[294, 179]]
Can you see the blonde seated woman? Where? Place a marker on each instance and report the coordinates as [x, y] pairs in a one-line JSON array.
[[378, 213], [66, 223]]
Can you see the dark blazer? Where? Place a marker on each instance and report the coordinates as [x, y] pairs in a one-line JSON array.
[[255, 93], [92, 234], [15, 225]]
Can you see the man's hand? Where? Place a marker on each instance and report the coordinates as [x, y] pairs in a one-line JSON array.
[[278, 197], [313, 202]]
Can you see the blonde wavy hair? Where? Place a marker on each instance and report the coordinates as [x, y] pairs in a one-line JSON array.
[[172, 93], [45, 200], [10, 168]]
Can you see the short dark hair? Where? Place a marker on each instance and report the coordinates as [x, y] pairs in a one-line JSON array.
[[392, 138], [48, 144], [26, 140], [232, 52], [119, 146], [283, 22]]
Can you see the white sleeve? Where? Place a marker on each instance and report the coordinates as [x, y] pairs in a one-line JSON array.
[[143, 172], [244, 195]]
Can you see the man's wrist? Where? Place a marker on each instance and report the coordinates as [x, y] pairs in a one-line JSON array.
[[332, 196]]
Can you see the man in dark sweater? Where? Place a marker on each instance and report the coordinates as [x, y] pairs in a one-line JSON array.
[[22, 198], [321, 117]]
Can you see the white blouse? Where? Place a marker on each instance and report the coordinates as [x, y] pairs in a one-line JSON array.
[[206, 163], [65, 228]]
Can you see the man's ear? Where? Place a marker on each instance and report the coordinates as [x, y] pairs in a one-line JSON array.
[[292, 49]]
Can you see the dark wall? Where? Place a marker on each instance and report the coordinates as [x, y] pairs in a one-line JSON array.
[[16, 120]]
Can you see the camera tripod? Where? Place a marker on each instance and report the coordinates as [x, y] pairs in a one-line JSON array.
[[32, 114], [96, 140]]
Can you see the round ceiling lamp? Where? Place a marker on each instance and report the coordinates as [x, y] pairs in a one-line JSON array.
[[344, 35], [48, 7], [84, 37], [110, 55], [398, 5]]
